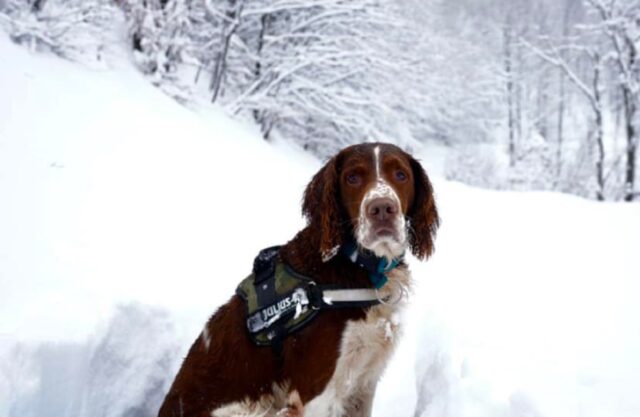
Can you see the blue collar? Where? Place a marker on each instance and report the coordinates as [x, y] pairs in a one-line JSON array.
[[377, 267]]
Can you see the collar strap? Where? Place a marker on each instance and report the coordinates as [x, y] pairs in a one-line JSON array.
[[377, 267]]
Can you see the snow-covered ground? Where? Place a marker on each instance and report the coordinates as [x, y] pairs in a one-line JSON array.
[[126, 219]]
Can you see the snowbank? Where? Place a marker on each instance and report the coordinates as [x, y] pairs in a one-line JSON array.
[[528, 308], [126, 219]]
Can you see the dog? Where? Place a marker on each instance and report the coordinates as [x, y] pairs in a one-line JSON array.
[[365, 207]]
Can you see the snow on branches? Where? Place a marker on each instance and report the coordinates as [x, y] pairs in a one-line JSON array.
[[600, 59], [318, 70], [73, 29]]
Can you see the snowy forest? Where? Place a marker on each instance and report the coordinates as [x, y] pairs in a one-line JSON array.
[[538, 94]]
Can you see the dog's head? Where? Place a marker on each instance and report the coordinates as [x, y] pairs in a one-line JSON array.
[[376, 194]]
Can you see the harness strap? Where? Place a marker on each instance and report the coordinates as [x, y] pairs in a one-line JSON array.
[[264, 266]]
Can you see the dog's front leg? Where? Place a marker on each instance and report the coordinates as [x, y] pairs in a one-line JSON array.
[[361, 403]]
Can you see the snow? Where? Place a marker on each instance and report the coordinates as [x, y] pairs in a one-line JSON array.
[[126, 219]]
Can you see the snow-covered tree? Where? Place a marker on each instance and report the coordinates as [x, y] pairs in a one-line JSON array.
[[315, 70], [592, 88], [74, 29], [619, 22], [599, 57], [159, 31]]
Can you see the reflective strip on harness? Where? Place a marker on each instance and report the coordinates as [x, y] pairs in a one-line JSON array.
[[358, 295], [294, 304]]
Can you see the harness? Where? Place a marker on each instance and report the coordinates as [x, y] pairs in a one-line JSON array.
[[280, 301]]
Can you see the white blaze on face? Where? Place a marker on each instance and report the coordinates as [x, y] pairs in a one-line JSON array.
[[389, 246]]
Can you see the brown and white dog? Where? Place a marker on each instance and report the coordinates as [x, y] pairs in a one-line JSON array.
[[375, 194]]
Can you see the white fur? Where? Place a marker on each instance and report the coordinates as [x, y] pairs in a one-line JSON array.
[[328, 255], [376, 155], [364, 352], [204, 336], [386, 246], [280, 403]]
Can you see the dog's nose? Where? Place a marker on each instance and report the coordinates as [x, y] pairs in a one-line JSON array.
[[382, 209]]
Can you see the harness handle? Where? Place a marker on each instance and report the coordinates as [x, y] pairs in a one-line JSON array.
[[264, 265]]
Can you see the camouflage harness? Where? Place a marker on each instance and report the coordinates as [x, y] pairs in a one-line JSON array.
[[279, 301]]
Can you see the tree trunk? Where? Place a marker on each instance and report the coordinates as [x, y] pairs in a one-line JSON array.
[[561, 110], [630, 109], [543, 104], [220, 67], [563, 95], [520, 92], [261, 117], [600, 160], [597, 106], [258, 68], [510, 93], [630, 112]]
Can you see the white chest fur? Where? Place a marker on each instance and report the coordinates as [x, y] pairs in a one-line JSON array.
[[365, 349]]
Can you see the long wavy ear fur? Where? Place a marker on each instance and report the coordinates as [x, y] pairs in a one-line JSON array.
[[321, 207], [423, 214]]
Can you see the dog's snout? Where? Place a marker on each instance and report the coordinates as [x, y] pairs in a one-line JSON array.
[[382, 209]]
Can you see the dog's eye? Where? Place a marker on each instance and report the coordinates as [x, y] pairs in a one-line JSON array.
[[401, 175], [353, 179]]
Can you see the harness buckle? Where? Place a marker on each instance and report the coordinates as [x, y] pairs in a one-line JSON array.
[[314, 293]]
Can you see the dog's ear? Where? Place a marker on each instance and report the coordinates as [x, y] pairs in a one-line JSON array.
[[321, 207], [423, 215]]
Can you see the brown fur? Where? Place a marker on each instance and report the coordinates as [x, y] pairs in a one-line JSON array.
[[229, 367], [423, 215]]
